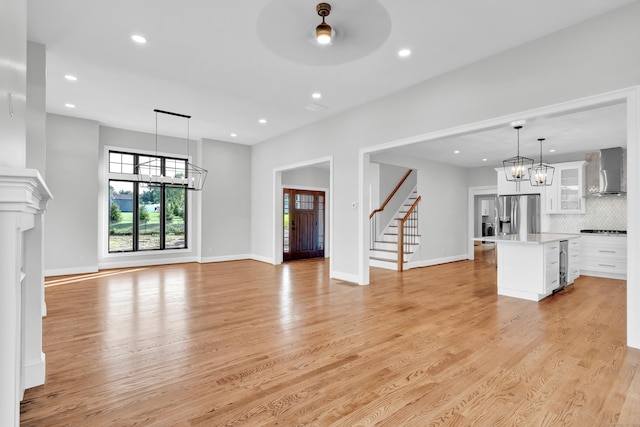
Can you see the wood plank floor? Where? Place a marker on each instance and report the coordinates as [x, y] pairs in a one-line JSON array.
[[248, 343]]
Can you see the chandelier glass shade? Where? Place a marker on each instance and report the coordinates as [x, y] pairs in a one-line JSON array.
[[152, 171], [541, 174], [517, 168]]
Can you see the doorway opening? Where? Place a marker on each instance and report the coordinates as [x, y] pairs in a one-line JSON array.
[[303, 228]]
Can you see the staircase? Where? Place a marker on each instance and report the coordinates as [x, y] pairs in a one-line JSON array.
[[383, 252]]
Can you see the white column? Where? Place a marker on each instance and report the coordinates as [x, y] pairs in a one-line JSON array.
[[10, 320], [33, 359]]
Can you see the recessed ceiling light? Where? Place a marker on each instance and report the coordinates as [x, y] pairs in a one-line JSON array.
[[70, 78], [403, 53], [262, 121], [69, 105], [233, 135], [456, 152], [484, 160], [138, 39], [316, 95], [552, 151]]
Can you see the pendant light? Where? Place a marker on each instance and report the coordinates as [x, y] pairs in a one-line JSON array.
[[323, 31], [517, 168], [152, 172], [541, 174]]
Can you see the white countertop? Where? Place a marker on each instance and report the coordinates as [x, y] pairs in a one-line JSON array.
[[529, 238]]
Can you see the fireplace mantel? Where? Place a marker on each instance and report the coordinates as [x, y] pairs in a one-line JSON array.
[[23, 200]]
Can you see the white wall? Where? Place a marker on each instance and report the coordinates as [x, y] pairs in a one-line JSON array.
[[226, 201], [36, 133], [590, 58], [72, 218]]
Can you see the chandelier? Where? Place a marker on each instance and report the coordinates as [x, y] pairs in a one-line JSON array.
[[155, 172], [541, 174], [517, 168]]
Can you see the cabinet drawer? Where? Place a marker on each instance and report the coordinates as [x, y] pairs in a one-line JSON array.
[[610, 265]]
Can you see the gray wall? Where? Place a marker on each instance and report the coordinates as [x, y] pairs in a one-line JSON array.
[[390, 176], [71, 222], [226, 201], [13, 80], [442, 209], [36, 108], [307, 177], [590, 58], [482, 177]]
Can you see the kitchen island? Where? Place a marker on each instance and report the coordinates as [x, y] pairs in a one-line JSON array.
[[532, 266]]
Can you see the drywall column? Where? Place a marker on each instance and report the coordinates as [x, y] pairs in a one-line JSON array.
[[23, 200]]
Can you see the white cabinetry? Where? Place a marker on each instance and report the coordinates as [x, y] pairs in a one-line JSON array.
[[484, 207], [551, 266], [604, 256], [566, 194], [573, 261], [509, 187], [528, 270]]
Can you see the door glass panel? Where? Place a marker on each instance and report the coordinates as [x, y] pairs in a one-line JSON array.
[[321, 222], [304, 201], [285, 223], [174, 230], [120, 216], [148, 217]]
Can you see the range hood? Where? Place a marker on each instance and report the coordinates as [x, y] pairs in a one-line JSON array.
[[606, 172]]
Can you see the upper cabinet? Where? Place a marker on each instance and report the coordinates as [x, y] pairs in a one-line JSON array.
[[566, 194]]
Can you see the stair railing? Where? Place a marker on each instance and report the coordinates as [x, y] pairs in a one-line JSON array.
[[408, 232], [373, 219]]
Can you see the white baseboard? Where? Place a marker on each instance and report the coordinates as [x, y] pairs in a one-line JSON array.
[[34, 371], [70, 270], [603, 274], [145, 262], [435, 261], [388, 265], [268, 260], [347, 277]]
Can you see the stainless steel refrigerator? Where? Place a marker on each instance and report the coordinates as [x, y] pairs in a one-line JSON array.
[[517, 214]]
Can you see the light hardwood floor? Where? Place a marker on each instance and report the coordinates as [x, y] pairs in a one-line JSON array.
[[248, 343]]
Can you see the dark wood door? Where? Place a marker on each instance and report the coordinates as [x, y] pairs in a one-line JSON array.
[[303, 224]]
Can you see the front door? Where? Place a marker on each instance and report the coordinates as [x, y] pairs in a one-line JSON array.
[[303, 223]]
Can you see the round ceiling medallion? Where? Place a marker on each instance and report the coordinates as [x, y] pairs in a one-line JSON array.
[[287, 28]]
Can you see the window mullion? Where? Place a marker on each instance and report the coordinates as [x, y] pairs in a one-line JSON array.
[[136, 214]]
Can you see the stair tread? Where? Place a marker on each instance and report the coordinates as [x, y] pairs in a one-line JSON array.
[[389, 251], [387, 260], [394, 243]]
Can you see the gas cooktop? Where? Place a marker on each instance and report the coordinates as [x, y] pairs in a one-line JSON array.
[[604, 231]]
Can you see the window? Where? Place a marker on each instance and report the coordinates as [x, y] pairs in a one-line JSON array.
[[144, 216]]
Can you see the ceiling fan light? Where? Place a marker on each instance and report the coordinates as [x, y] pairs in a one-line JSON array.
[[323, 33]]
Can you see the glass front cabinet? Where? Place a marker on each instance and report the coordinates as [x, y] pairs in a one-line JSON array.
[[566, 194]]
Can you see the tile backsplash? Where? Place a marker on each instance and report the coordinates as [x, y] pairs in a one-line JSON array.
[[602, 213]]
